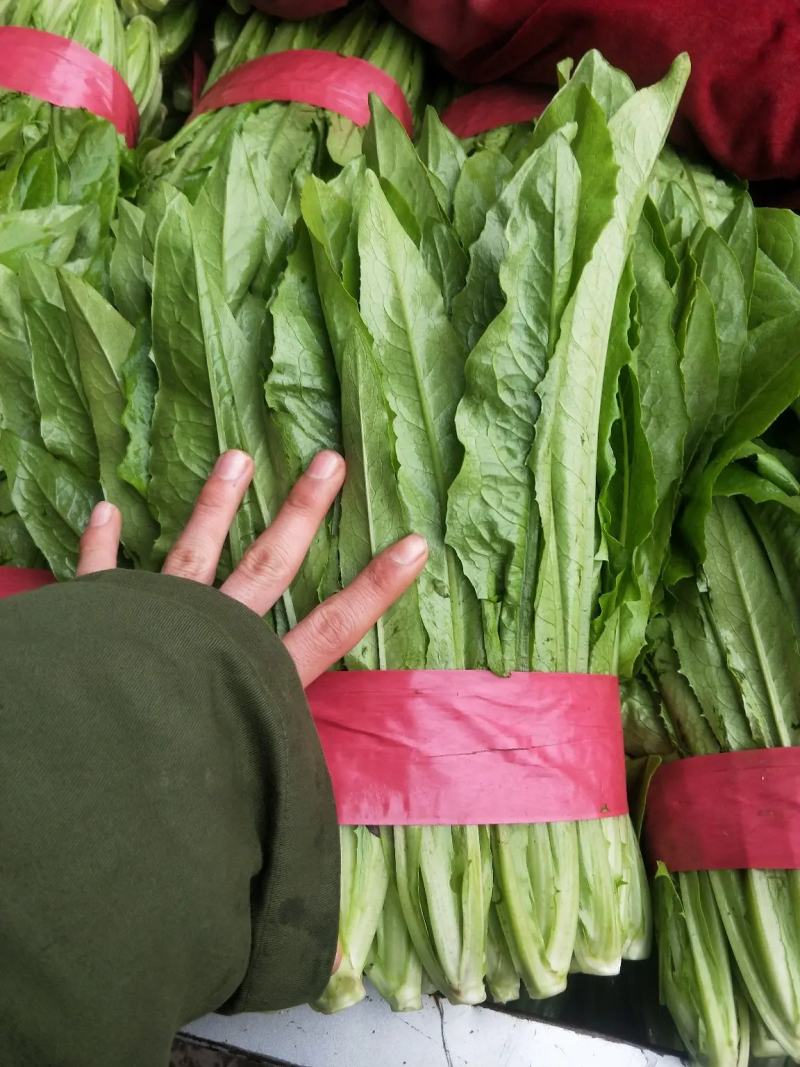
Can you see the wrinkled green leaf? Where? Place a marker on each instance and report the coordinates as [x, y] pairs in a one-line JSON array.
[[492, 519], [103, 340], [140, 380], [302, 392], [754, 627], [17, 548], [718, 269], [127, 266], [237, 222], [47, 233], [779, 531], [564, 459], [372, 516], [66, 425], [19, 411], [53, 499], [478, 187], [392, 156], [738, 231], [642, 720], [770, 378], [779, 240], [702, 657], [441, 152], [422, 369]]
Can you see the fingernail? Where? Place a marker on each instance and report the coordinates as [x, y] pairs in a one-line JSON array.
[[408, 550], [324, 465], [102, 514], [232, 465]]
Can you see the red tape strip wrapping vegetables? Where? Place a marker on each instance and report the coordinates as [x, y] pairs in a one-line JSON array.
[[65, 73], [460, 747], [199, 78], [307, 76], [22, 580], [727, 811], [464, 747], [495, 105]]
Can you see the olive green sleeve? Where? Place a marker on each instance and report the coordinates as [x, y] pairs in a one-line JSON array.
[[168, 834]]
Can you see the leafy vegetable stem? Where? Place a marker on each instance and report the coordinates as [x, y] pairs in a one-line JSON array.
[[374, 549], [587, 589], [698, 199], [455, 603], [626, 481], [527, 592]]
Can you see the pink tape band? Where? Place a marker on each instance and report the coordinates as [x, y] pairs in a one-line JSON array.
[[735, 810], [308, 76], [501, 104], [467, 747], [66, 74], [15, 580]]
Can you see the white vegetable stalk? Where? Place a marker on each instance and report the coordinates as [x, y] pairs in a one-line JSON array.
[[444, 877], [502, 976], [393, 966], [695, 971], [364, 881], [537, 871]]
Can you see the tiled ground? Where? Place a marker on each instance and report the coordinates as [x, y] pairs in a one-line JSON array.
[[190, 1052]]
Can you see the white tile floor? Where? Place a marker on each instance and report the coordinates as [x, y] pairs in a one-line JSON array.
[[370, 1035]]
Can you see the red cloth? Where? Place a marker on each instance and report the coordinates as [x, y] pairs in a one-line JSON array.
[[743, 98]]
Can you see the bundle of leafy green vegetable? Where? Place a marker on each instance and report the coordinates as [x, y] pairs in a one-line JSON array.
[[535, 560], [293, 139], [726, 660], [61, 174], [723, 666], [401, 369], [563, 534], [715, 317]]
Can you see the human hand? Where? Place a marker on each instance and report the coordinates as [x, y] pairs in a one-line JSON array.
[[270, 564]]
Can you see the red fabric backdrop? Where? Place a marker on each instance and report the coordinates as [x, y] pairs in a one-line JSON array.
[[743, 98]]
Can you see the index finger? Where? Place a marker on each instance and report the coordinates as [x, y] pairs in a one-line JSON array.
[[336, 626]]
